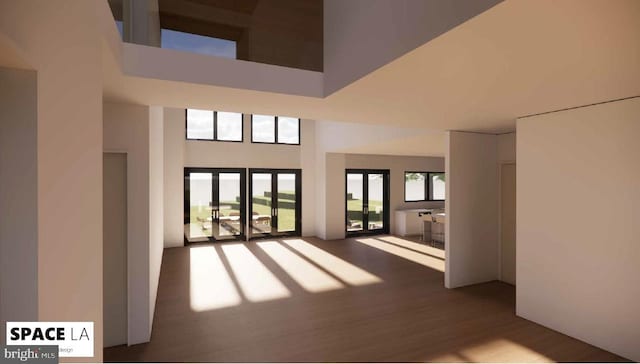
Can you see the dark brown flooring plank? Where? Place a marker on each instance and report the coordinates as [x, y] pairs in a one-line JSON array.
[[408, 317]]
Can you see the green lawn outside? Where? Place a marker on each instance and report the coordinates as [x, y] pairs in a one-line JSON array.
[[286, 216], [204, 212], [354, 209]]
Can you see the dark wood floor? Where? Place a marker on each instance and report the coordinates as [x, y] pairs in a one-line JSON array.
[[406, 317]]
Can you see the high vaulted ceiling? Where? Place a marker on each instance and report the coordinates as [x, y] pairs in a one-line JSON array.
[[517, 58]]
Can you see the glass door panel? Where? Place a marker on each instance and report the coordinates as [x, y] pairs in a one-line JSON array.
[[367, 201], [286, 202], [229, 217], [275, 202], [214, 204], [199, 226], [375, 201], [355, 202], [261, 203]]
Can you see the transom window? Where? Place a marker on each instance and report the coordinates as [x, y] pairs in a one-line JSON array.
[[214, 125], [424, 186], [275, 129]]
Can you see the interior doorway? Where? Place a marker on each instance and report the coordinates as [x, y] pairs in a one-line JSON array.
[[114, 248], [367, 201], [508, 223]]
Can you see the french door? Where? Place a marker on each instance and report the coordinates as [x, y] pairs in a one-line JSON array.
[[275, 205], [367, 202], [214, 204]]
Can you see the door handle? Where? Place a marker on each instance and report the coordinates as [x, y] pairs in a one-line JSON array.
[[366, 210]]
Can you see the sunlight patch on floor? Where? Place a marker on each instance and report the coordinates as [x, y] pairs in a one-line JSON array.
[[438, 253], [210, 286], [256, 281], [307, 275], [347, 272], [423, 259], [497, 350]]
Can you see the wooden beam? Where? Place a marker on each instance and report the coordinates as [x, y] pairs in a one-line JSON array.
[[204, 13]]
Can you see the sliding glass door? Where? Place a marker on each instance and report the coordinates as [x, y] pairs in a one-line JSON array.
[[214, 206], [275, 207], [367, 201]]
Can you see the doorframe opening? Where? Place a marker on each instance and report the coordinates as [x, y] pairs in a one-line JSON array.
[[274, 195], [386, 202], [242, 203]]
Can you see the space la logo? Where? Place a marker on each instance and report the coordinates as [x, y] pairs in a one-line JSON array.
[[74, 339]]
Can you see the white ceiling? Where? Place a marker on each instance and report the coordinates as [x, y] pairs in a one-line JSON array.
[[518, 58], [426, 145], [338, 137]]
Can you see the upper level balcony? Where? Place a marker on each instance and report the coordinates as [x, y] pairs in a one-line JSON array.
[[286, 33]]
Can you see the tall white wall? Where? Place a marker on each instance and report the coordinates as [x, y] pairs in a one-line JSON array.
[[137, 131], [308, 165], [362, 35], [69, 154], [472, 209], [173, 177], [320, 223], [578, 237], [18, 197], [334, 197], [156, 203], [397, 165]]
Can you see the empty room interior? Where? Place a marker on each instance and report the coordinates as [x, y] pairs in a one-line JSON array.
[[324, 180]]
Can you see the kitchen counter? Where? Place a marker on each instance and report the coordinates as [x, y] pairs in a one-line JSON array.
[[409, 221]]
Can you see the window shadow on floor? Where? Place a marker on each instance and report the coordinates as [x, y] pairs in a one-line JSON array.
[[304, 299]]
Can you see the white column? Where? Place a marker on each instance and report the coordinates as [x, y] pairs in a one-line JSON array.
[[471, 166]]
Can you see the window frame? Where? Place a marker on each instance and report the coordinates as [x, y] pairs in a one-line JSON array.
[[215, 128], [426, 196], [430, 187], [427, 186], [275, 126]]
